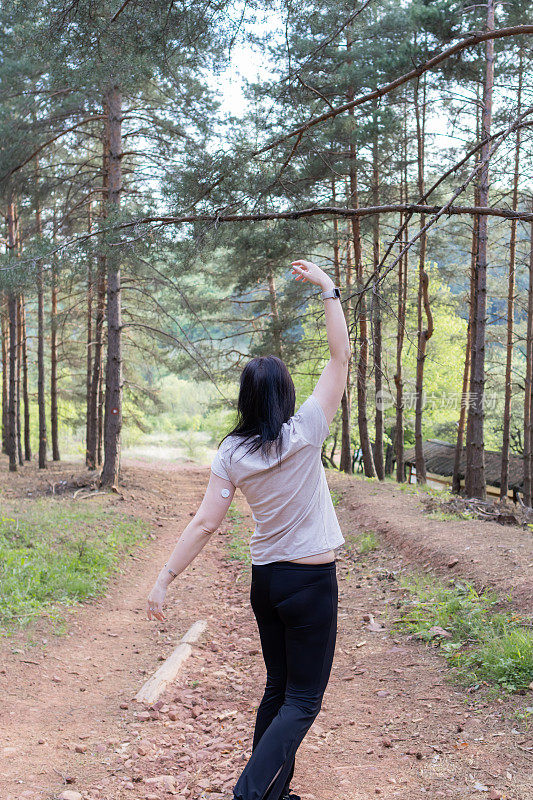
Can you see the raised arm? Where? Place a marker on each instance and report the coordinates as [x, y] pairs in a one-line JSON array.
[[330, 386]]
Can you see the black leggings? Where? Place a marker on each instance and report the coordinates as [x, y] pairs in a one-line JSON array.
[[296, 610]]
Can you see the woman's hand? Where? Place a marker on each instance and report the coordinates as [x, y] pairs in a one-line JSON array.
[[156, 598], [308, 271]]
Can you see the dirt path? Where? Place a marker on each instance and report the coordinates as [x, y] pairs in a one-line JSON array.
[[486, 553], [390, 725]]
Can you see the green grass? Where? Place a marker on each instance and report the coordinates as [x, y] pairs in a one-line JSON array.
[[336, 497], [447, 516], [367, 543], [485, 646], [55, 553]]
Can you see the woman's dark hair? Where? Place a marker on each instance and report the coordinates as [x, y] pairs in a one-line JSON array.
[[266, 401]]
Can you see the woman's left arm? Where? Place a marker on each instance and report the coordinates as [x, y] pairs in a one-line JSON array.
[[206, 521]]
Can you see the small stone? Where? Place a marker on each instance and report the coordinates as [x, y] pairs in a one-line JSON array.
[[143, 716], [453, 562], [124, 706], [386, 742], [494, 794], [80, 748], [164, 781], [69, 794]]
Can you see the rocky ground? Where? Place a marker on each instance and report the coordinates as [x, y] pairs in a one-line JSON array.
[[392, 725]]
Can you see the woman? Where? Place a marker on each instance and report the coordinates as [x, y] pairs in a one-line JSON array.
[[274, 456]]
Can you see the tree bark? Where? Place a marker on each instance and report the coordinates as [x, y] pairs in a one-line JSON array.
[[100, 447], [25, 392], [41, 398], [13, 387], [113, 398], [376, 307], [5, 393], [19, 381], [475, 485], [12, 302], [506, 435], [403, 266], [465, 418], [53, 367], [345, 460], [361, 322], [424, 332], [95, 413], [528, 386], [456, 477], [89, 362]]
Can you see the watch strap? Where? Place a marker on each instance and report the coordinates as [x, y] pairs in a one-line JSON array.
[[335, 292]]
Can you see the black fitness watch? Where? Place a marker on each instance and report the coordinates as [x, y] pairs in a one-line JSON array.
[[335, 292]]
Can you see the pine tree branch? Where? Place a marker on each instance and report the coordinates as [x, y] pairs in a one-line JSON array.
[[470, 41], [49, 142]]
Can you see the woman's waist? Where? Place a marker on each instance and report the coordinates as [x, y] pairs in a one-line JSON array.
[[317, 558]]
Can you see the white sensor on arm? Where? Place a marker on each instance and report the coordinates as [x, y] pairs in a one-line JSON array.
[[224, 492]]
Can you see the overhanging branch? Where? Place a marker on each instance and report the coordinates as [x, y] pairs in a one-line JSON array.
[[331, 211]]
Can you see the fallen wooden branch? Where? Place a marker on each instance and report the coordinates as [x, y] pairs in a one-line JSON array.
[[168, 670]]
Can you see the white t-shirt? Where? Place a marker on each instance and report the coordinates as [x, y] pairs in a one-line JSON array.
[[291, 504]]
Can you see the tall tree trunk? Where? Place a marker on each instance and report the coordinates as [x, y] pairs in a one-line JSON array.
[[5, 382], [345, 460], [403, 266], [12, 302], [100, 448], [13, 388], [506, 436], [95, 413], [361, 317], [53, 367], [25, 393], [376, 304], [424, 315], [456, 476], [89, 362], [19, 381], [41, 397], [475, 475], [465, 420], [113, 398], [528, 388], [274, 311]]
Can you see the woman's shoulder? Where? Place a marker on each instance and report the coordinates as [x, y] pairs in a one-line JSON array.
[[310, 421]]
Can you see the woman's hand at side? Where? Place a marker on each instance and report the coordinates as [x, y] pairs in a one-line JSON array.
[[308, 271], [213, 508], [156, 598]]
